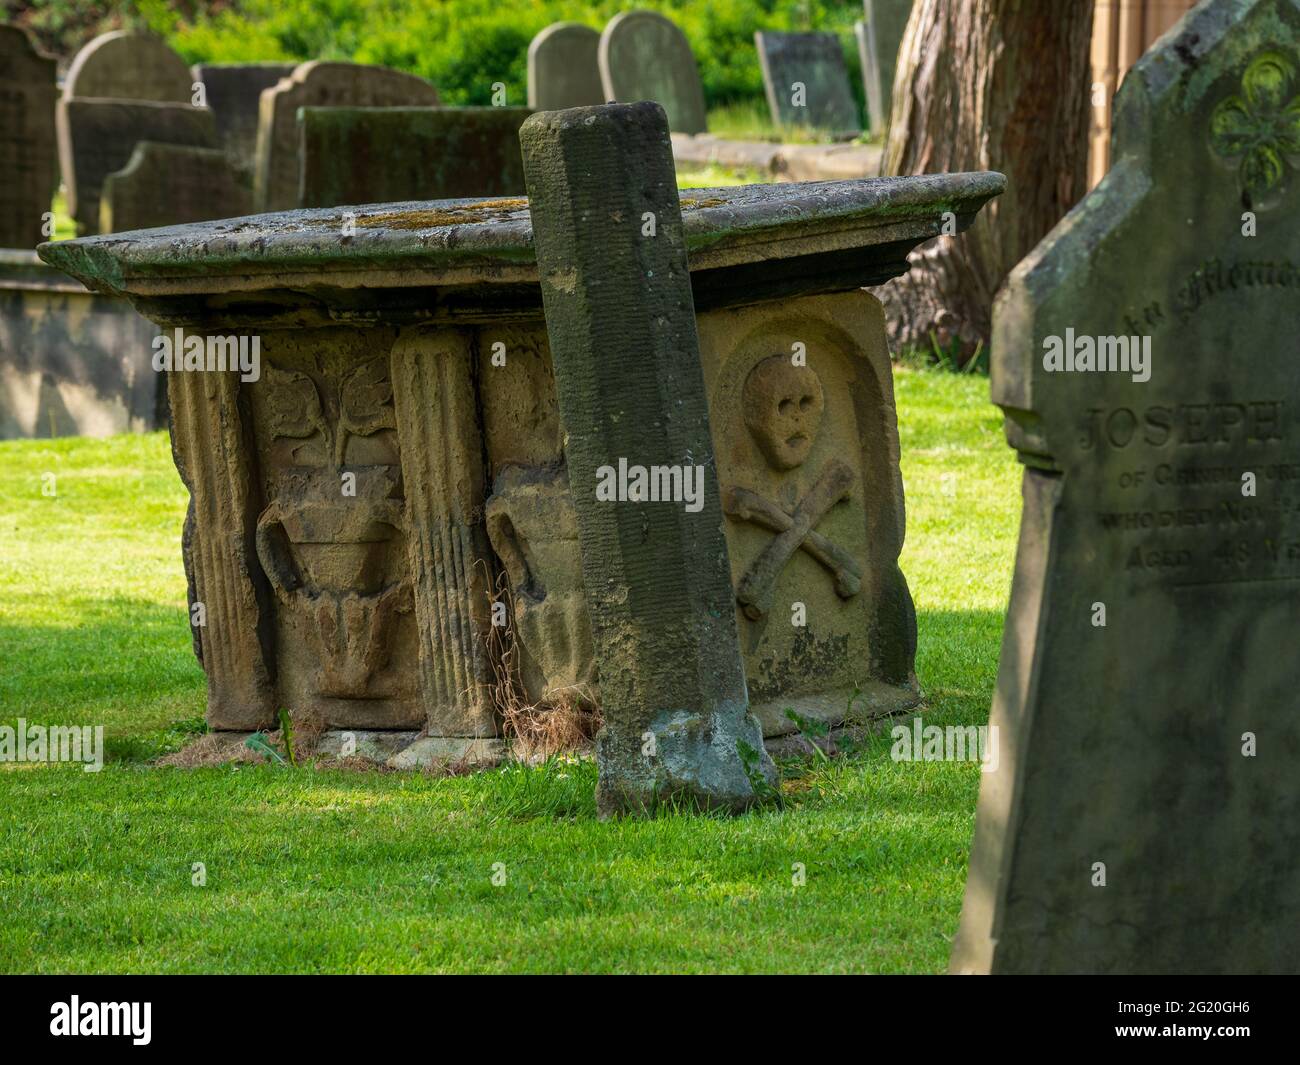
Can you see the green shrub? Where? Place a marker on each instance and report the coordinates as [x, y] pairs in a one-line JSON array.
[[462, 46]]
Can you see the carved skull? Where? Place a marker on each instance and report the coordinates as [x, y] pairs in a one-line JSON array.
[[783, 405]]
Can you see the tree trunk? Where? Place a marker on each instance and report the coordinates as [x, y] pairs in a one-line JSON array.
[[986, 85]]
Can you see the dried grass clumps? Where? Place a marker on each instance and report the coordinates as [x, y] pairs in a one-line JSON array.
[[564, 721]]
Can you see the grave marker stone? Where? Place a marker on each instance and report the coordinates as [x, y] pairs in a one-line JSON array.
[[166, 184], [657, 575], [355, 155], [878, 45], [806, 81], [98, 137], [410, 349], [644, 56], [319, 84], [563, 69], [233, 91], [1145, 815], [28, 154], [129, 66]]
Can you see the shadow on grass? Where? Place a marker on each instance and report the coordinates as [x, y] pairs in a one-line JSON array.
[[126, 664]]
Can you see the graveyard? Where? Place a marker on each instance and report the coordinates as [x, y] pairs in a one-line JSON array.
[[696, 493]]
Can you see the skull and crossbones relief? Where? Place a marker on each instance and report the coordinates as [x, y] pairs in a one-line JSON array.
[[783, 406]]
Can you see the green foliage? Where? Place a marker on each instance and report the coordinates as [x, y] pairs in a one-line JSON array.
[[462, 46]]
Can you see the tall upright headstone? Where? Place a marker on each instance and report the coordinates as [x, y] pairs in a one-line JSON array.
[[28, 155], [97, 137], [644, 56], [611, 257], [354, 155], [563, 70], [233, 91], [806, 81], [124, 65], [878, 44], [168, 184], [1145, 816], [319, 84]]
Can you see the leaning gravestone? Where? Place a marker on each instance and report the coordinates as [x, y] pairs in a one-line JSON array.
[[806, 81], [563, 70], [355, 155], [28, 155], [97, 137], [644, 56], [657, 575], [320, 84], [1146, 814], [167, 184], [879, 38], [129, 66], [233, 91]]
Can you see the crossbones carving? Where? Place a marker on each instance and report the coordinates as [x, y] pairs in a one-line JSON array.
[[794, 531]]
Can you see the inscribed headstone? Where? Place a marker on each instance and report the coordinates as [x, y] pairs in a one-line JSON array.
[[806, 81], [1145, 814], [644, 56]]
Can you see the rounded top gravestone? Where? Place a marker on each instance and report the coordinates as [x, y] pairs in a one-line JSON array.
[[563, 69], [129, 66], [644, 56]]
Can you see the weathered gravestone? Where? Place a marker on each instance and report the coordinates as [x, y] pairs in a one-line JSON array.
[[165, 184], [403, 351], [644, 56], [656, 573], [879, 37], [129, 66], [98, 137], [806, 81], [354, 155], [233, 91], [319, 84], [28, 156], [563, 70], [1146, 813]]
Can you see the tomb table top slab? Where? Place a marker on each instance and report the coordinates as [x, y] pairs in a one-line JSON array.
[[746, 244]]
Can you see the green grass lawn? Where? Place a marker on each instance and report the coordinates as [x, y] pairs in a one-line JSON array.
[[327, 870]]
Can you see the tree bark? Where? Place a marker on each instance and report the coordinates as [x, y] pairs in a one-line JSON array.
[[986, 85]]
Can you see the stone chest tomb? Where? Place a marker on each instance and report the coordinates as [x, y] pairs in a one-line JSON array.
[[398, 465]]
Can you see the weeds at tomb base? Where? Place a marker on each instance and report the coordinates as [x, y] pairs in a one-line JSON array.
[[318, 869]]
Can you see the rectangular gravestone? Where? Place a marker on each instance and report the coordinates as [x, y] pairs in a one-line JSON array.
[[167, 184], [806, 81], [1145, 816], [616, 286], [233, 91], [878, 47], [98, 137], [28, 156], [276, 168], [356, 155]]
